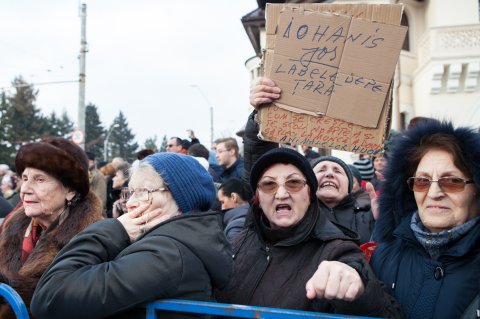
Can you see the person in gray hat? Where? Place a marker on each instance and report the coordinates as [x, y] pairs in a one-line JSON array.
[[336, 199]]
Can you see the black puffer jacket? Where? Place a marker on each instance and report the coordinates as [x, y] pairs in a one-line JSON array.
[[352, 216], [275, 274], [101, 274]]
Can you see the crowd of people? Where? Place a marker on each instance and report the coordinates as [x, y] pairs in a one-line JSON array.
[[278, 226]]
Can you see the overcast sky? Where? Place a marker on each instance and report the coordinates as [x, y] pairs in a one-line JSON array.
[[143, 57]]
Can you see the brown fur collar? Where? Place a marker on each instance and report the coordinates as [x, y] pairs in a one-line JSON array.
[[24, 278]]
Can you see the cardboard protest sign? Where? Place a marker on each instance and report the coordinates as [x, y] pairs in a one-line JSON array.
[[283, 126], [335, 65], [366, 69], [305, 61], [330, 60]]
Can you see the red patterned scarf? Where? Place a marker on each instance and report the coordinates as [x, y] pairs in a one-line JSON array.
[[30, 240]]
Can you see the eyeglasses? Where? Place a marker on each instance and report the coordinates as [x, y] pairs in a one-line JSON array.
[[140, 194], [450, 184], [220, 151], [291, 185], [171, 145]]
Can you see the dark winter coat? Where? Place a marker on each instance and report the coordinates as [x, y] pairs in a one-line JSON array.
[[425, 288], [234, 221], [275, 275], [5, 207], [24, 277], [234, 171], [428, 288], [352, 216], [102, 274]]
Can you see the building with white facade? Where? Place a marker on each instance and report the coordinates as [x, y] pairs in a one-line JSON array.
[[438, 73]]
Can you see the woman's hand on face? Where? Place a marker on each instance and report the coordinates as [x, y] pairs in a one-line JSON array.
[[139, 221], [263, 91], [335, 280]]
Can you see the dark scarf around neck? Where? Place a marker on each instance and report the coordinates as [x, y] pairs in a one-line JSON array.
[[291, 235], [436, 243]]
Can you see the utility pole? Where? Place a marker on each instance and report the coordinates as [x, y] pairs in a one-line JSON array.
[[81, 89]]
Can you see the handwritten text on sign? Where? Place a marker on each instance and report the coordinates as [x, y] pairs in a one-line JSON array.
[[324, 132], [335, 65]]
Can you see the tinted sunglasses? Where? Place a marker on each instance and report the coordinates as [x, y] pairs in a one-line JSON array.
[[449, 184], [291, 185]]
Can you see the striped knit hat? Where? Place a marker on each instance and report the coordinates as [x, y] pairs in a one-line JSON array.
[[365, 167]]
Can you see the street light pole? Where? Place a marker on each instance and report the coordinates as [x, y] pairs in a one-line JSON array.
[[211, 110], [105, 143]]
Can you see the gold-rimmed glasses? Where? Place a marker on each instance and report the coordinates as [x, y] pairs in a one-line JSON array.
[[449, 184]]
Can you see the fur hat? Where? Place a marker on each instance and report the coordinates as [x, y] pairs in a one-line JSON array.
[[339, 162], [190, 184], [58, 157], [284, 156]]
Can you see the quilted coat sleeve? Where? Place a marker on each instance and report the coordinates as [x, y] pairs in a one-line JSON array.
[[100, 273], [375, 301]]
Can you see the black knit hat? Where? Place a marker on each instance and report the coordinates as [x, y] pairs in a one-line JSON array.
[[284, 156], [339, 162]]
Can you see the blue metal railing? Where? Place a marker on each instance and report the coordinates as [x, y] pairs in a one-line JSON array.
[[190, 306], [230, 310], [15, 301]]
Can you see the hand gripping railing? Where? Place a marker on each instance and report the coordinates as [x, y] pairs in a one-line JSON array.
[[230, 310], [15, 301]]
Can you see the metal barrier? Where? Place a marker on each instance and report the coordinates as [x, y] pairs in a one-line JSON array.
[[230, 310], [15, 301], [191, 306]]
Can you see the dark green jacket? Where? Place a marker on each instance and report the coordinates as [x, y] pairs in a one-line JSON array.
[[101, 274]]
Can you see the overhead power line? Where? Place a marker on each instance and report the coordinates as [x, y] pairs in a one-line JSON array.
[[37, 84]]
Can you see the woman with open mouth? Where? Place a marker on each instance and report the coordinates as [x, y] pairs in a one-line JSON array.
[[292, 256]]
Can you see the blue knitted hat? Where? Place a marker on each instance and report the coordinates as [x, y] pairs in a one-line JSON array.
[[190, 184]]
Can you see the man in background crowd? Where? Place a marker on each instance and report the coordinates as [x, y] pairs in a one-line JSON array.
[[229, 158]]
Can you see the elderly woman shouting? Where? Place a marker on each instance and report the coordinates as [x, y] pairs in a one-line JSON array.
[[292, 256], [429, 225], [335, 181], [56, 205], [168, 245]]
